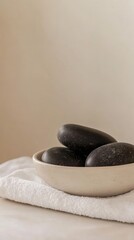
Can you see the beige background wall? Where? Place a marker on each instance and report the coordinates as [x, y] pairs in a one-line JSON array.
[[64, 61]]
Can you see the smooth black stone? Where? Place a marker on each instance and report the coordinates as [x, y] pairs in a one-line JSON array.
[[62, 156], [110, 155], [82, 139]]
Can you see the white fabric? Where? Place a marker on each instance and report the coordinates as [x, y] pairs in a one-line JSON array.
[[19, 182]]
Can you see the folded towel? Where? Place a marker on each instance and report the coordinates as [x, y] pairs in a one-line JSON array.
[[19, 182]]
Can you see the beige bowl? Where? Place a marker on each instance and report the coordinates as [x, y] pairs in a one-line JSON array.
[[87, 181]]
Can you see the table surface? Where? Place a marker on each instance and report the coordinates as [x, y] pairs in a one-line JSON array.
[[20, 221]]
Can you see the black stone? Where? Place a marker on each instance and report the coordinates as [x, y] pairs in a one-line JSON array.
[[82, 139], [62, 156], [111, 154]]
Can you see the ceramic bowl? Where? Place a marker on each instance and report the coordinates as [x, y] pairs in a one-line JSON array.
[[86, 181]]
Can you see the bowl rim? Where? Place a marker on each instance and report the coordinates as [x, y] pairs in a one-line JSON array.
[[35, 158]]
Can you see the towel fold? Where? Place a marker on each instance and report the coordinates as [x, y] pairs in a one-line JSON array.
[[19, 182]]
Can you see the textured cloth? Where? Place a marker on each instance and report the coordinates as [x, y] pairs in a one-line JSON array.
[[19, 182]]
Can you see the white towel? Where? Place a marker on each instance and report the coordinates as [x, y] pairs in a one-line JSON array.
[[19, 182]]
